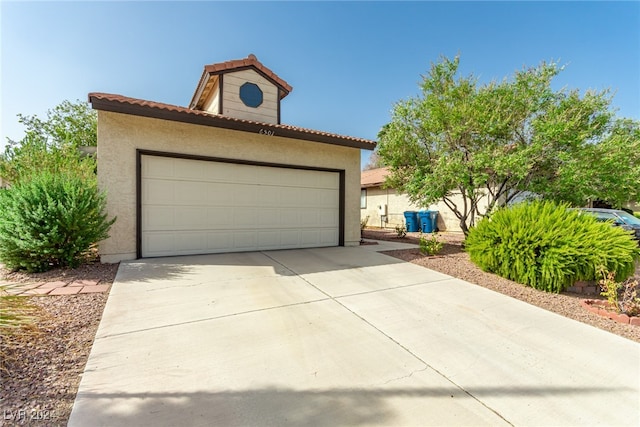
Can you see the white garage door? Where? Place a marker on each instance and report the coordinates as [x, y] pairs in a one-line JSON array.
[[195, 207]]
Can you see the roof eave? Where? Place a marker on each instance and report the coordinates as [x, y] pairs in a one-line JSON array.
[[205, 119]]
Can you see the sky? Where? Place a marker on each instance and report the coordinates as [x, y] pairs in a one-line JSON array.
[[348, 62]]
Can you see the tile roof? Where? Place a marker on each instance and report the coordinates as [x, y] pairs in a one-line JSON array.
[[373, 177], [140, 107], [212, 71], [249, 61]]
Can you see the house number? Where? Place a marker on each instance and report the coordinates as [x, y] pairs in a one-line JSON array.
[[266, 132]]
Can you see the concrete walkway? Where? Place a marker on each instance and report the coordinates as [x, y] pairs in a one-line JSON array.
[[341, 336]]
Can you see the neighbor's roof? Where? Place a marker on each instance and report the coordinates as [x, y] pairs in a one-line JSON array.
[[140, 107], [373, 177], [210, 73]]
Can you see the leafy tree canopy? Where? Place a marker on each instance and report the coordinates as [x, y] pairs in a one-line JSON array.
[[52, 143], [478, 146]]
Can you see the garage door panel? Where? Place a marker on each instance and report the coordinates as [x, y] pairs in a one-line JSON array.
[[194, 206], [221, 217], [219, 194], [309, 237], [268, 239], [289, 218], [190, 242], [290, 238], [268, 218], [327, 218], [158, 167], [158, 218], [189, 192], [329, 237], [244, 240], [159, 243], [190, 217], [244, 194], [188, 170], [157, 191], [244, 218], [219, 241]]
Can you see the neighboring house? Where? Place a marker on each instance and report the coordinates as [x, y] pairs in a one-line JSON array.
[[223, 175], [385, 207]]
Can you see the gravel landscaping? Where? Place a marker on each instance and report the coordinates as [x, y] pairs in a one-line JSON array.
[[41, 368]]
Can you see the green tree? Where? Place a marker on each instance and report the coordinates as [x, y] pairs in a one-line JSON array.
[[476, 147], [52, 144], [608, 170]]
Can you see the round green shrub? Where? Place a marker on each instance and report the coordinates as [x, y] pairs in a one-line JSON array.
[[550, 247], [50, 220]]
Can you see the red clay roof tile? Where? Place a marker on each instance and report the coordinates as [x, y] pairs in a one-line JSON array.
[[249, 61], [373, 177], [141, 107]]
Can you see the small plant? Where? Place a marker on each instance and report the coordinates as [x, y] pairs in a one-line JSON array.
[[17, 316], [401, 231], [623, 297], [430, 246], [363, 222]]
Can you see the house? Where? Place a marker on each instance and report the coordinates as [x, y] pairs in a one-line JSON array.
[[223, 174], [385, 207]]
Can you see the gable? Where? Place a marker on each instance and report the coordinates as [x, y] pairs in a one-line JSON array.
[[239, 90]]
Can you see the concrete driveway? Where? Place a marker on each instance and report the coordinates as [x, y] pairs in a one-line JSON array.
[[341, 336]]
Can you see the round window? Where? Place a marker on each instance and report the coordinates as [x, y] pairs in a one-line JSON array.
[[251, 95]]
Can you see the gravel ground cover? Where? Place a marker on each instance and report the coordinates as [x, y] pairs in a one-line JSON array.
[[41, 368]]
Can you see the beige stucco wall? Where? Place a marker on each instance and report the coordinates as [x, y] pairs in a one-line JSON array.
[[119, 135], [397, 204]]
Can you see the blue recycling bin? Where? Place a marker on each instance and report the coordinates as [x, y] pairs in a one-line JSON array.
[[411, 218], [429, 221]]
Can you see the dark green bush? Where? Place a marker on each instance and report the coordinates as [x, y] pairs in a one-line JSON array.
[[50, 220], [549, 247]]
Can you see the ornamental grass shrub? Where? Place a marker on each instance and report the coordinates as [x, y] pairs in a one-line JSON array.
[[51, 220], [550, 247]]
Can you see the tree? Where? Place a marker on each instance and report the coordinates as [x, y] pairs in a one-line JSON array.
[[476, 147], [374, 162], [52, 144], [607, 171]]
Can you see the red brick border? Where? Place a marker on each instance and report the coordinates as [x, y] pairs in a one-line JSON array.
[[599, 307]]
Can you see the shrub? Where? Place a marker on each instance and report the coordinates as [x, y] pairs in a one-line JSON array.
[[549, 247], [363, 222], [430, 246], [50, 220], [401, 231]]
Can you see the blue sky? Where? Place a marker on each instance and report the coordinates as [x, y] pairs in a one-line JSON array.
[[348, 62]]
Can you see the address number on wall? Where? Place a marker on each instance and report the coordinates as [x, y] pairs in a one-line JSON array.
[[267, 132]]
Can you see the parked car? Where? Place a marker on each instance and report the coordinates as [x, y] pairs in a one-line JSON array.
[[619, 218]]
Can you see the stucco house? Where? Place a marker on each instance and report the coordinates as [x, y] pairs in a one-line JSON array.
[[385, 207], [223, 174]]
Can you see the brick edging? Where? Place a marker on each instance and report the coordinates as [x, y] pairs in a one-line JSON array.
[[598, 307]]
